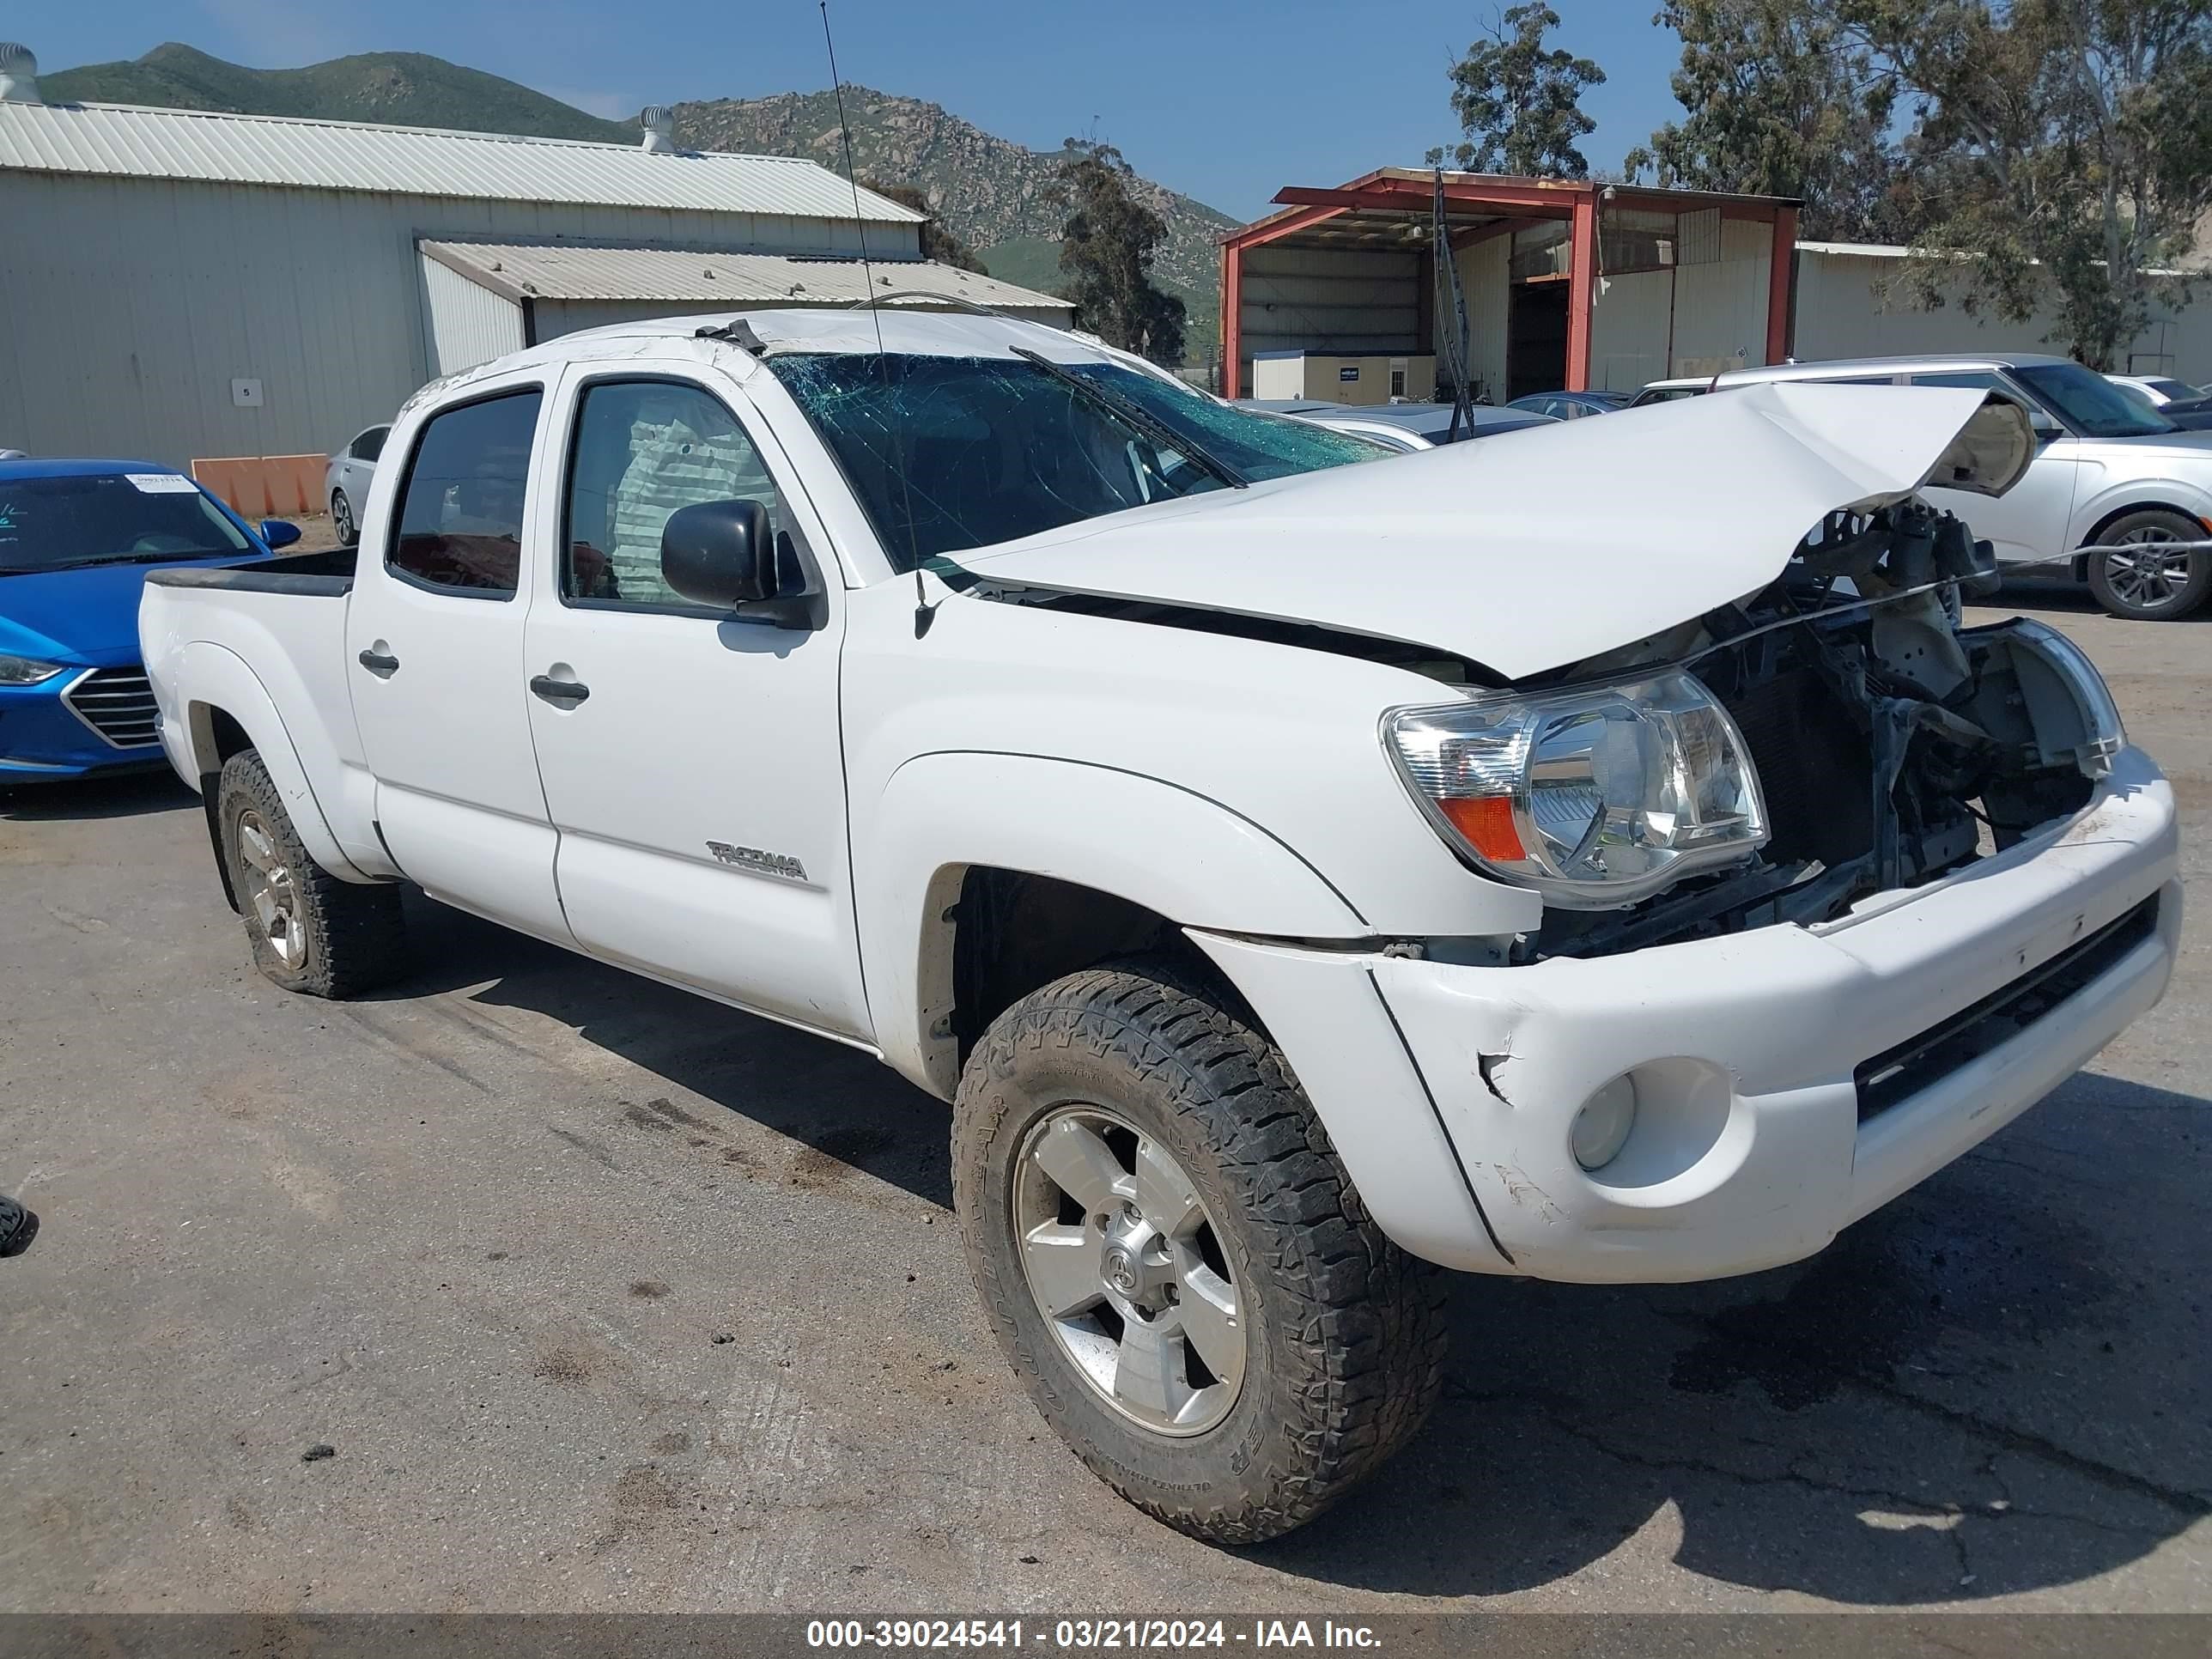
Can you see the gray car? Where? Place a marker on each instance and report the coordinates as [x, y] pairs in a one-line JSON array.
[[346, 480]]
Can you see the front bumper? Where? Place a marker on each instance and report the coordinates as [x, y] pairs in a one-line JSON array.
[[47, 735], [1770, 1115]]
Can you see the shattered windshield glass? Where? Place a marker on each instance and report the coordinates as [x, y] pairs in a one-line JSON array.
[[948, 454]]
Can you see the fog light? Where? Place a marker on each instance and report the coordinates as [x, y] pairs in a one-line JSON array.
[[1600, 1128]]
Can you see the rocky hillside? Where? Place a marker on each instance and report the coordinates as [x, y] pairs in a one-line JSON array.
[[405, 88], [989, 191]]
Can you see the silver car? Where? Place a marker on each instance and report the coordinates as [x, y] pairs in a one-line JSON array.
[[2109, 472], [346, 480]]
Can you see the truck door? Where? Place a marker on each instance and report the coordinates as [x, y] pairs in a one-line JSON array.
[[691, 762], [433, 640], [2031, 520]]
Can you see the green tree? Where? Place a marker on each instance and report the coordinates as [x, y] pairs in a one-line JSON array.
[[2060, 150], [1776, 102], [936, 242], [1518, 103], [1106, 252]]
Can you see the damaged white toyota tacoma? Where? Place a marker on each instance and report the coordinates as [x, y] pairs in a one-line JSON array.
[[1591, 853]]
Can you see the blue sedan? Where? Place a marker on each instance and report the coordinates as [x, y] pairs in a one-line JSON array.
[[77, 538]]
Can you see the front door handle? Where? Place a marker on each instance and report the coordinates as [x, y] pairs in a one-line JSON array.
[[381, 664], [559, 692]]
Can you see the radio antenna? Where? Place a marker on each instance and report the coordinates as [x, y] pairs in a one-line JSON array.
[[922, 616]]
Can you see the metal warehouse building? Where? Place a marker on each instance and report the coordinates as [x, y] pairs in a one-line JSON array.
[[1567, 284], [181, 285]]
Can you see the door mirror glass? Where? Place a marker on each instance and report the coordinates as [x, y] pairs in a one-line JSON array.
[[719, 553]]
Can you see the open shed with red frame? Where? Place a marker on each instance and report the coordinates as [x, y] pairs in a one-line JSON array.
[[1568, 283]]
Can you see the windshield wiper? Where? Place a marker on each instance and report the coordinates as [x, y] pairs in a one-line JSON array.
[[1156, 431]]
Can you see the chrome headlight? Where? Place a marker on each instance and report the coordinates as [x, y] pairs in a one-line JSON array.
[[1595, 798], [27, 671]]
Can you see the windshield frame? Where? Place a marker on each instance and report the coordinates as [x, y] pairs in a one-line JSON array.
[[216, 512]]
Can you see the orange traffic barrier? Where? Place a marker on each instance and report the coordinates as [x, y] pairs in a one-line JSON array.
[[266, 486]]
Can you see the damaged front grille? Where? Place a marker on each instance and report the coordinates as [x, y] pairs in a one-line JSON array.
[[1897, 1074]]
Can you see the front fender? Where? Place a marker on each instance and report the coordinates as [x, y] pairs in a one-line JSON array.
[[221, 679], [1178, 854]]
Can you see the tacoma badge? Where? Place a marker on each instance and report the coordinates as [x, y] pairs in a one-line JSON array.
[[760, 863]]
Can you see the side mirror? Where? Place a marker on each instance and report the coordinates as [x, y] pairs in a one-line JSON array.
[[719, 553], [278, 532]]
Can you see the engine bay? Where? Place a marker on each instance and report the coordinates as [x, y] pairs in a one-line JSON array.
[[1893, 746]]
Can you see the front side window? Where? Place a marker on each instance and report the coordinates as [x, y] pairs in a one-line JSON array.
[[145, 518], [949, 453], [645, 449], [460, 510]]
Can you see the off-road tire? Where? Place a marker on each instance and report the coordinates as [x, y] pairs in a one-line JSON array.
[[356, 937], [1344, 1333], [2193, 593]]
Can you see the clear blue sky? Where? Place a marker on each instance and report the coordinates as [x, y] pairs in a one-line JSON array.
[[1225, 100]]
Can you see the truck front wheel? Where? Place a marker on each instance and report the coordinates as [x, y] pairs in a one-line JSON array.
[[1176, 1262], [310, 931]]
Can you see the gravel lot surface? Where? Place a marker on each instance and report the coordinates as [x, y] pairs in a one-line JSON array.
[[604, 1296]]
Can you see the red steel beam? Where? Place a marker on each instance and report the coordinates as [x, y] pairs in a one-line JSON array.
[[1232, 319], [1582, 271], [1779, 281], [1283, 224], [1554, 201]]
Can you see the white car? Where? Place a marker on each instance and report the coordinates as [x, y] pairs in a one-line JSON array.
[[2161, 389], [2108, 473], [346, 480], [1291, 870]]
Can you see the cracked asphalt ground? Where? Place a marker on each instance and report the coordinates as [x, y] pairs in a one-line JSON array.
[[604, 1296]]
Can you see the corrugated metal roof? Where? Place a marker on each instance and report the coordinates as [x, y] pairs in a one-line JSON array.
[[125, 140], [566, 270]]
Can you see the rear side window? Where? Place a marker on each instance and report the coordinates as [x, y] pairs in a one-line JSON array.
[[460, 510], [370, 444]]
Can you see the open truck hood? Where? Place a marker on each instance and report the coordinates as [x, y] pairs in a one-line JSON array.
[[1531, 551]]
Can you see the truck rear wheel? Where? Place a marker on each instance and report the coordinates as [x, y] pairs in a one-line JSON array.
[[1176, 1262], [310, 931]]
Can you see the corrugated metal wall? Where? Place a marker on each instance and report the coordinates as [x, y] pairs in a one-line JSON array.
[[1329, 300], [1720, 309], [128, 306], [1629, 329], [1842, 313], [1484, 278], [468, 324]]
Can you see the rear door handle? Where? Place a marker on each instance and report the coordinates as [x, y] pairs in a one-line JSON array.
[[559, 692], [379, 664]]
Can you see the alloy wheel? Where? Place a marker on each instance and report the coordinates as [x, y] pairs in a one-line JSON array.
[[2152, 573], [271, 893], [1128, 1268]]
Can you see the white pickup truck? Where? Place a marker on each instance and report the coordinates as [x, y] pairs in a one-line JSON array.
[[1590, 854]]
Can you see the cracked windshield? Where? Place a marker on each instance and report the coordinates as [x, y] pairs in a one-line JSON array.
[[948, 454]]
